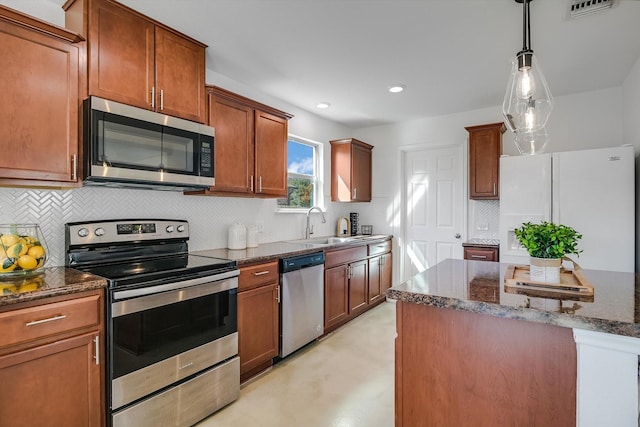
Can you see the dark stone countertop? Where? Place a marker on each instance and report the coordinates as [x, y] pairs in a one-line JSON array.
[[482, 243], [478, 286], [272, 251], [54, 281]]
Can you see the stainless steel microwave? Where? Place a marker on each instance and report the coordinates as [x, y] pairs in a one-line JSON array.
[[127, 146]]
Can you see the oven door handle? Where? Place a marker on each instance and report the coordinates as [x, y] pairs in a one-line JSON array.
[[157, 296]]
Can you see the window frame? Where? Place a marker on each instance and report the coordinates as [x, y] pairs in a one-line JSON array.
[[318, 162]]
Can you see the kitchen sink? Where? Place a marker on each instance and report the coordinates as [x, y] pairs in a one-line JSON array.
[[324, 241]]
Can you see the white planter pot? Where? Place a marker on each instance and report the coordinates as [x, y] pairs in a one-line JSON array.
[[545, 269]]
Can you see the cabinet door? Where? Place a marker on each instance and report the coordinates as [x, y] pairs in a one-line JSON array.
[[358, 295], [180, 77], [271, 155], [121, 55], [375, 265], [53, 384], [386, 272], [361, 174], [336, 285], [257, 326], [485, 145], [233, 145], [39, 82]]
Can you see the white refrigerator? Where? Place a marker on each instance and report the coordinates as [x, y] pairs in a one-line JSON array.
[[589, 190]]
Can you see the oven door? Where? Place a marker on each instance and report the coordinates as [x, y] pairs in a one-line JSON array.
[[164, 334]]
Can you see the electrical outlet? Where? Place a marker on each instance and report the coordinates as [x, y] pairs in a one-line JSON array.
[[482, 226], [260, 226]]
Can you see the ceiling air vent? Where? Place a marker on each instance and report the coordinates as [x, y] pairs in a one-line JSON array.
[[578, 8]]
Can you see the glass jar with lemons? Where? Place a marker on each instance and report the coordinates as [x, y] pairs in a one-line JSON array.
[[23, 250]]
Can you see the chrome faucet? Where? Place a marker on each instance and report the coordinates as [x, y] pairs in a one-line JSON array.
[[309, 229]]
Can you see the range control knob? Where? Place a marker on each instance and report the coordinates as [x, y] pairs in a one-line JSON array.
[[83, 232], [180, 228], [169, 228], [99, 231]]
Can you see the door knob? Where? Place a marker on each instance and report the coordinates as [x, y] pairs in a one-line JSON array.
[[457, 236]]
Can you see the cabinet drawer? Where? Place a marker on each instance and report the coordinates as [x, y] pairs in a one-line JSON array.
[[481, 254], [259, 274], [344, 256], [31, 323], [380, 247]]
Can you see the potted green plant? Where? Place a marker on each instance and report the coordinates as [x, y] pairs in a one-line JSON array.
[[547, 243]]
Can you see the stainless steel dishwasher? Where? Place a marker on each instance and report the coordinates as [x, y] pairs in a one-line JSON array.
[[302, 301]]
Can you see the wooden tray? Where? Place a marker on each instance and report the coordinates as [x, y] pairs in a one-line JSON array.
[[572, 282]]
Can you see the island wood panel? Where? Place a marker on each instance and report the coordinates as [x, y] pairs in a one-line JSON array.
[[455, 368]]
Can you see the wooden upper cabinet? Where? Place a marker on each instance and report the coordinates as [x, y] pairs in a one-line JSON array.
[[271, 154], [137, 61], [39, 83], [180, 76], [250, 146], [350, 170], [485, 147]]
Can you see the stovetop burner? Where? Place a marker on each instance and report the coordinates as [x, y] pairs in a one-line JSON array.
[[131, 252], [128, 273]]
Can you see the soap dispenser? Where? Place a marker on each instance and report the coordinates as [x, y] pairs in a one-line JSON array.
[[344, 226]]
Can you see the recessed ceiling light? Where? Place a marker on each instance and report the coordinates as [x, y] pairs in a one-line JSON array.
[[323, 105], [396, 88]]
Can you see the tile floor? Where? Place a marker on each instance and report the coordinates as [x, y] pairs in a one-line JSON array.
[[344, 380]]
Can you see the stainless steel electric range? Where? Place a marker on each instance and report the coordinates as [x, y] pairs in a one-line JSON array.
[[172, 340]]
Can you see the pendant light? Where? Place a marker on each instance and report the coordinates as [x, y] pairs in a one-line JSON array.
[[528, 102]]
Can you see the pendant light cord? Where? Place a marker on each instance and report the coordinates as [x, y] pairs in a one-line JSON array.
[[526, 26]]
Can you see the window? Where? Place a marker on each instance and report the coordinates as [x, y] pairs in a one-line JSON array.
[[303, 160]]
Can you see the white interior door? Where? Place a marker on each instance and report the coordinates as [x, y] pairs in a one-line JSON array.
[[433, 210]]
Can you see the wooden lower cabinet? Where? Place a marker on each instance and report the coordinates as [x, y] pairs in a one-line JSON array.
[[380, 270], [481, 254], [336, 296], [355, 280], [53, 384], [358, 287], [456, 368], [258, 318], [52, 362]]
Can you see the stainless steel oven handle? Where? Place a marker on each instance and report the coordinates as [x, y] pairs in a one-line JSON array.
[[152, 297]]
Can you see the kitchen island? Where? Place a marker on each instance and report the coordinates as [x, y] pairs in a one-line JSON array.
[[472, 352]]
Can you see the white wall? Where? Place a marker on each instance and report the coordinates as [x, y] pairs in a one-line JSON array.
[[631, 120]]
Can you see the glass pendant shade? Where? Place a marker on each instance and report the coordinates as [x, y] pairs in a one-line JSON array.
[[532, 142], [528, 102]]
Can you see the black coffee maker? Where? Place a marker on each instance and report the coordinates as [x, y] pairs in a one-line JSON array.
[[353, 218]]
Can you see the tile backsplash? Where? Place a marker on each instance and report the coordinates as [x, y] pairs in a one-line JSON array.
[[484, 219], [209, 217]]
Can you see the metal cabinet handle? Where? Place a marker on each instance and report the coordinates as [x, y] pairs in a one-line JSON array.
[[96, 341], [153, 97], [161, 100], [251, 183], [261, 273], [479, 256], [260, 184], [74, 167], [278, 294], [50, 319], [494, 188], [355, 193]]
